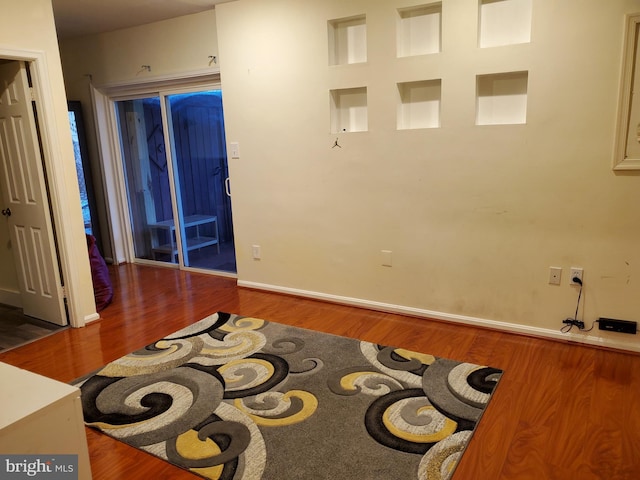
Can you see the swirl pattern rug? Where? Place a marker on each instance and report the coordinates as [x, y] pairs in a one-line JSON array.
[[232, 397]]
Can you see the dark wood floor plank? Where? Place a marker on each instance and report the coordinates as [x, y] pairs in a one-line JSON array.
[[562, 411]]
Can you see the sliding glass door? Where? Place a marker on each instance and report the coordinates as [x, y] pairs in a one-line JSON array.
[[175, 165], [146, 173], [196, 132]]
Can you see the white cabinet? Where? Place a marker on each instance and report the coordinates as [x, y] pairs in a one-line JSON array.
[[39, 415]]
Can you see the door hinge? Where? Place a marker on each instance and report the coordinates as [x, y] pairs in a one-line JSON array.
[[63, 291], [32, 93]]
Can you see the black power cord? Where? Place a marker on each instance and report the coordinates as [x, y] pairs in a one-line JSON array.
[[569, 323]]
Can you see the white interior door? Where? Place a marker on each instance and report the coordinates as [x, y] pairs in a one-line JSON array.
[[24, 199]]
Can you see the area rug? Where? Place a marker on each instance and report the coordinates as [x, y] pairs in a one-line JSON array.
[[233, 397]]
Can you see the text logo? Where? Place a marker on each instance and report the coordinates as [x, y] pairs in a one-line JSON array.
[[49, 467]]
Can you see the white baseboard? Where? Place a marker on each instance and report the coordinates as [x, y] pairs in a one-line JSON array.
[[578, 337], [11, 298], [91, 318]]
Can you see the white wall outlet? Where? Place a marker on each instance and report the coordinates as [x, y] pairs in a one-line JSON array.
[[255, 252], [385, 258], [576, 272], [555, 275]]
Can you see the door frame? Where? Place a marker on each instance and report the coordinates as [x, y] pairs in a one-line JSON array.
[[55, 176], [104, 98]]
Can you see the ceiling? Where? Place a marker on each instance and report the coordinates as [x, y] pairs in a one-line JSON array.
[[83, 17]]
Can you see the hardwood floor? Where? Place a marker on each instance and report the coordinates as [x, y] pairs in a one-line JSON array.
[[562, 411]]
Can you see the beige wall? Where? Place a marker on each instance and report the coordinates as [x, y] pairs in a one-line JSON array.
[[474, 215], [169, 47], [29, 27]]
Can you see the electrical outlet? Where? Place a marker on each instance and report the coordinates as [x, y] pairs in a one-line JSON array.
[[555, 275], [576, 272]]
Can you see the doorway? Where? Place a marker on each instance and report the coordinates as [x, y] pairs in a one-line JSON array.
[[17, 329], [25, 199], [176, 177]]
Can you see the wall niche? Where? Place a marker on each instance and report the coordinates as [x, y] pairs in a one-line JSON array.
[[419, 30], [349, 110], [504, 22], [501, 98], [419, 104], [347, 40]]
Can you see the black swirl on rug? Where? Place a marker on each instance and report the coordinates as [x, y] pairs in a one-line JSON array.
[[280, 372], [389, 358], [210, 369], [485, 379], [132, 401], [464, 406], [374, 422], [221, 319]]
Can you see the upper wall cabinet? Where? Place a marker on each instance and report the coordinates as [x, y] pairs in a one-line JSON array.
[[627, 149], [504, 22], [348, 40], [419, 30]]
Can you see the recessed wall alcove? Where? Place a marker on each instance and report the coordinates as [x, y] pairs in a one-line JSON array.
[[419, 30], [347, 40], [501, 98], [349, 110], [419, 104], [504, 22]]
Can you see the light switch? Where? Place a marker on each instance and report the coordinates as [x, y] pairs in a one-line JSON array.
[[235, 149]]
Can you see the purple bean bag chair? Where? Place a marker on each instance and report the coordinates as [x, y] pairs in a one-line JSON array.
[[102, 286]]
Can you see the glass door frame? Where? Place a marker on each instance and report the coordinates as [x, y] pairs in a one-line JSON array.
[[104, 100]]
